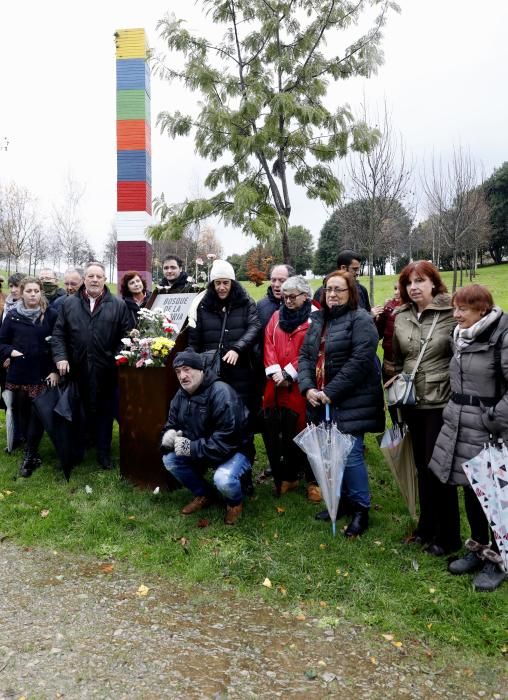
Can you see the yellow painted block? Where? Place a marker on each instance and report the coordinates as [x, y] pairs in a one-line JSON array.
[[131, 43]]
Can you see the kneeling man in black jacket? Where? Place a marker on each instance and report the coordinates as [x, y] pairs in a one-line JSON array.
[[207, 427]]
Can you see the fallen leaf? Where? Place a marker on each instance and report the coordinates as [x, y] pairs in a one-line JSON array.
[[280, 510], [337, 571], [323, 604], [88, 489], [185, 544], [300, 617], [322, 546], [44, 513], [106, 568], [282, 590], [142, 591], [415, 565], [432, 590], [388, 637], [1, 496], [311, 674], [397, 644], [378, 543], [8, 493], [345, 574], [267, 583], [321, 662], [203, 522], [131, 517], [429, 626], [373, 660], [156, 490], [504, 649]]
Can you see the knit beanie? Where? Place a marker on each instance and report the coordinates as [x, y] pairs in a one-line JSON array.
[[189, 358], [222, 270]]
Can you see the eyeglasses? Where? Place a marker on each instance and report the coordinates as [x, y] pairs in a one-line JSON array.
[[292, 297], [336, 290]]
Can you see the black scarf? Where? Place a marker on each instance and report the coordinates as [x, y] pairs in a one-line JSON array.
[[289, 319]]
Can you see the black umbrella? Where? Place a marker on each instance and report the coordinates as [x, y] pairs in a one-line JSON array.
[[61, 413]]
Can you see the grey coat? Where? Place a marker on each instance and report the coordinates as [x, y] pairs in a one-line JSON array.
[[467, 428], [431, 381]]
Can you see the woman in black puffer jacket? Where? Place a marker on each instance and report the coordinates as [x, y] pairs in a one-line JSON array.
[[226, 299], [338, 366]]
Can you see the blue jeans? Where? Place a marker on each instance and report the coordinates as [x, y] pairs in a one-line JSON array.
[[355, 484], [226, 477]]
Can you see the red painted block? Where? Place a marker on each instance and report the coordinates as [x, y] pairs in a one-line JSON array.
[[134, 196]]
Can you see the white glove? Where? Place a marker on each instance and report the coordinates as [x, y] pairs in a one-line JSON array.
[[182, 447], [168, 439]]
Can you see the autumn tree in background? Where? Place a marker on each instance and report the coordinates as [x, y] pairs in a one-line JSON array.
[[258, 263], [263, 117]]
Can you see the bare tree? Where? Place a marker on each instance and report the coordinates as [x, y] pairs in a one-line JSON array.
[[110, 250], [38, 248], [67, 224], [381, 179], [455, 199], [18, 222]]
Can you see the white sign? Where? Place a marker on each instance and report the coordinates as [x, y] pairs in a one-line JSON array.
[[176, 306]]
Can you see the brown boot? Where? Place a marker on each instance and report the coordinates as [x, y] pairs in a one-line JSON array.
[[233, 514], [196, 504], [313, 493], [286, 486]]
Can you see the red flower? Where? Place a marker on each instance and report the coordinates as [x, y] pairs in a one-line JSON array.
[[122, 360]]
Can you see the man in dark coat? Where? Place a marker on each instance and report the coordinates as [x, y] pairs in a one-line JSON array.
[[86, 338], [270, 303], [54, 294], [206, 427], [175, 277], [349, 261]]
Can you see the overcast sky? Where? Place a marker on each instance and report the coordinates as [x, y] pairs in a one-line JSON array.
[[444, 79]]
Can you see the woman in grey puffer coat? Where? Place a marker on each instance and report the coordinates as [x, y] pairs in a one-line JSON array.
[[478, 409]]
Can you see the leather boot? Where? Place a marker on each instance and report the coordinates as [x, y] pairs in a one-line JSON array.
[[472, 561], [359, 523], [31, 462], [492, 574], [286, 486], [196, 504]]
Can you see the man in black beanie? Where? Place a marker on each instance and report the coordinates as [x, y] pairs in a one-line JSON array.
[[207, 427]]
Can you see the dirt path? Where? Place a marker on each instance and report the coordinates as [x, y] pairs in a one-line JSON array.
[[73, 627]]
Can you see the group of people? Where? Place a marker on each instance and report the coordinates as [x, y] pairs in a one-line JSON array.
[[273, 366]]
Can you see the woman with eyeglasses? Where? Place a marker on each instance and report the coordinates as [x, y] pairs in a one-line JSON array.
[[283, 405], [337, 366]]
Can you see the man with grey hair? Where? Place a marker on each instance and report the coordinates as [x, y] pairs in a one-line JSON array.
[[73, 279], [54, 294], [86, 337]]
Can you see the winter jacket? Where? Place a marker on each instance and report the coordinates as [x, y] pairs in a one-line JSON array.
[[432, 378], [181, 284], [281, 351], [57, 299], [89, 342], [363, 296], [467, 428], [19, 333], [352, 377], [134, 308], [215, 421], [240, 333], [267, 306]]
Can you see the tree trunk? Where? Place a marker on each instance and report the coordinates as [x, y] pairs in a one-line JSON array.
[[454, 285], [371, 273], [286, 253]]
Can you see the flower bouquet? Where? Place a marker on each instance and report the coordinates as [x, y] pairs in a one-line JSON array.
[[148, 345]]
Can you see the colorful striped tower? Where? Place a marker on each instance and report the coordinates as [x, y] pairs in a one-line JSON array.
[[134, 167]]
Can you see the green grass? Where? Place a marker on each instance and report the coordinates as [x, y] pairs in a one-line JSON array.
[[375, 581]]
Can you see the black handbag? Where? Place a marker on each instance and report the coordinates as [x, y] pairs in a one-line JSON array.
[[212, 358]]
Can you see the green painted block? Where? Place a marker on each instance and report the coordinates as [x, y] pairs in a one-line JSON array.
[[132, 104]]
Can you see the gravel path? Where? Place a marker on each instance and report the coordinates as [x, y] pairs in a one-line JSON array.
[[76, 627]]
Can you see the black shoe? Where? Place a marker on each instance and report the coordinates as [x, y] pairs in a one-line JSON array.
[[489, 578], [322, 515], [470, 562], [30, 463], [105, 462], [436, 550], [359, 523]]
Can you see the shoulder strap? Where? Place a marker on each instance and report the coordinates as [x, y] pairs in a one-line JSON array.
[[420, 356]]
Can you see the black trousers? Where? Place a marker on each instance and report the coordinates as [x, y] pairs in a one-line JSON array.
[[439, 520], [480, 531], [27, 419]]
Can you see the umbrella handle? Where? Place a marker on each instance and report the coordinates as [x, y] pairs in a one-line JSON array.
[[327, 413]]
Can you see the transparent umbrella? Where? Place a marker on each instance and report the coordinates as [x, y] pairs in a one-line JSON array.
[[8, 398], [327, 450], [488, 475]]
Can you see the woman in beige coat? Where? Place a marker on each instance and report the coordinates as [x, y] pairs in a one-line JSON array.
[[425, 300]]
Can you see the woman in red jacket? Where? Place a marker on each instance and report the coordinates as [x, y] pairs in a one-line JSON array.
[[283, 405]]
